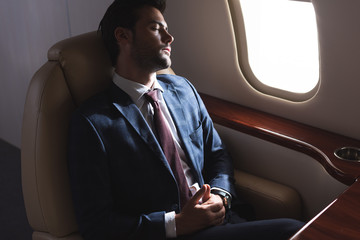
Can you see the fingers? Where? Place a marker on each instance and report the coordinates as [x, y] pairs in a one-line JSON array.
[[216, 207], [218, 217], [207, 193], [199, 194], [218, 221], [215, 212]]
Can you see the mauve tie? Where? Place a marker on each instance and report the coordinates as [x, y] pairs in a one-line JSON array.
[[168, 146]]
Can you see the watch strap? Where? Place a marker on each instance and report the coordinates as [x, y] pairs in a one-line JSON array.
[[226, 198]]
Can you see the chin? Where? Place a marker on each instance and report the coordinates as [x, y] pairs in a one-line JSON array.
[[164, 63]]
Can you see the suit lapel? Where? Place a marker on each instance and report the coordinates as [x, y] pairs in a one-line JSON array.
[[176, 110], [132, 114]]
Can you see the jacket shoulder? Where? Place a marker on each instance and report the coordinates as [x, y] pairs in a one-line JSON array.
[[175, 80], [102, 102], [95, 103]]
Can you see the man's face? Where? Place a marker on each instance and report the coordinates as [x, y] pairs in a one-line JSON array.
[[151, 41]]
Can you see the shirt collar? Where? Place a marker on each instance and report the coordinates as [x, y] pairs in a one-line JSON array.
[[134, 89]]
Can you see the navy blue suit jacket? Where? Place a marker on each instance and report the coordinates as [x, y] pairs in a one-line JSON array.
[[121, 182]]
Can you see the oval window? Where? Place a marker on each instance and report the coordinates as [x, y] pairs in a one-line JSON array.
[[278, 52]]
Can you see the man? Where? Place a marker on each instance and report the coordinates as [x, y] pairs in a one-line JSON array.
[[125, 184]]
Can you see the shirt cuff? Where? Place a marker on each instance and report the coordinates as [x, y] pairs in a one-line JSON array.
[[219, 189], [170, 226]]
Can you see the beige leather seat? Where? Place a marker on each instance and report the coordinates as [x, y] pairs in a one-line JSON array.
[[76, 69]]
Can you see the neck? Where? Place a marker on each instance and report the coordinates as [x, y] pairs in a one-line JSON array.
[[130, 70], [146, 79]]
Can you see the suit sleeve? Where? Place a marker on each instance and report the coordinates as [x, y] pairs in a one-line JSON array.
[[218, 168], [92, 194]]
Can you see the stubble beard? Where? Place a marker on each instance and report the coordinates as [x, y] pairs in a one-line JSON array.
[[150, 60]]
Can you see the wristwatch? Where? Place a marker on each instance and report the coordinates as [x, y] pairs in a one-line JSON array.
[[226, 198]]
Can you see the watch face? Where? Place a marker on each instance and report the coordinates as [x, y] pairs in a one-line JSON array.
[[225, 200]]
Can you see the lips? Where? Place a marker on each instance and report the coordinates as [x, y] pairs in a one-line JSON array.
[[167, 50]]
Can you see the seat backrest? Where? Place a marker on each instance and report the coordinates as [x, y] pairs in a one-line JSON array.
[[77, 68]]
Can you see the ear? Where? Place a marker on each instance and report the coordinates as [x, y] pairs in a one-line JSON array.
[[122, 35]]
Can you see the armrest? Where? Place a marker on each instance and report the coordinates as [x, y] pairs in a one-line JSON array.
[[269, 199]]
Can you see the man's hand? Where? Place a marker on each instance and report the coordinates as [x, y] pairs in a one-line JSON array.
[[195, 216]]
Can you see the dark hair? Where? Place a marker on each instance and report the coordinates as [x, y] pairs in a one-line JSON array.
[[122, 13]]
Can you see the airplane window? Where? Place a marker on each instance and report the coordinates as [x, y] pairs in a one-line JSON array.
[[281, 45]]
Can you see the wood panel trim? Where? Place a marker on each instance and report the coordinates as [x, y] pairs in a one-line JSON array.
[[340, 220], [315, 142]]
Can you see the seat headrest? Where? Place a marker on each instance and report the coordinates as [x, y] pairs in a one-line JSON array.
[[85, 63]]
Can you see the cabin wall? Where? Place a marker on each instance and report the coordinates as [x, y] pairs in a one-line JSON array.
[[308, 177], [28, 29], [204, 50]]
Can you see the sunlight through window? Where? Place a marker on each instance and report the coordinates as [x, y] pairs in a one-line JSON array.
[[282, 43]]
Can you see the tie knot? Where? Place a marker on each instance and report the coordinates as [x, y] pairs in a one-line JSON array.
[[152, 96]]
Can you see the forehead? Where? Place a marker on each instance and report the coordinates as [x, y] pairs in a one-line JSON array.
[[149, 15]]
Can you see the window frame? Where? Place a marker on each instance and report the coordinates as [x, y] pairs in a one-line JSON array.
[[245, 68]]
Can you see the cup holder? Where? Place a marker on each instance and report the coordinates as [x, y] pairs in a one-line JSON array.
[[348, 154]]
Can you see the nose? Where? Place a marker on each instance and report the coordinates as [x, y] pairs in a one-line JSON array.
[[167, 37]]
